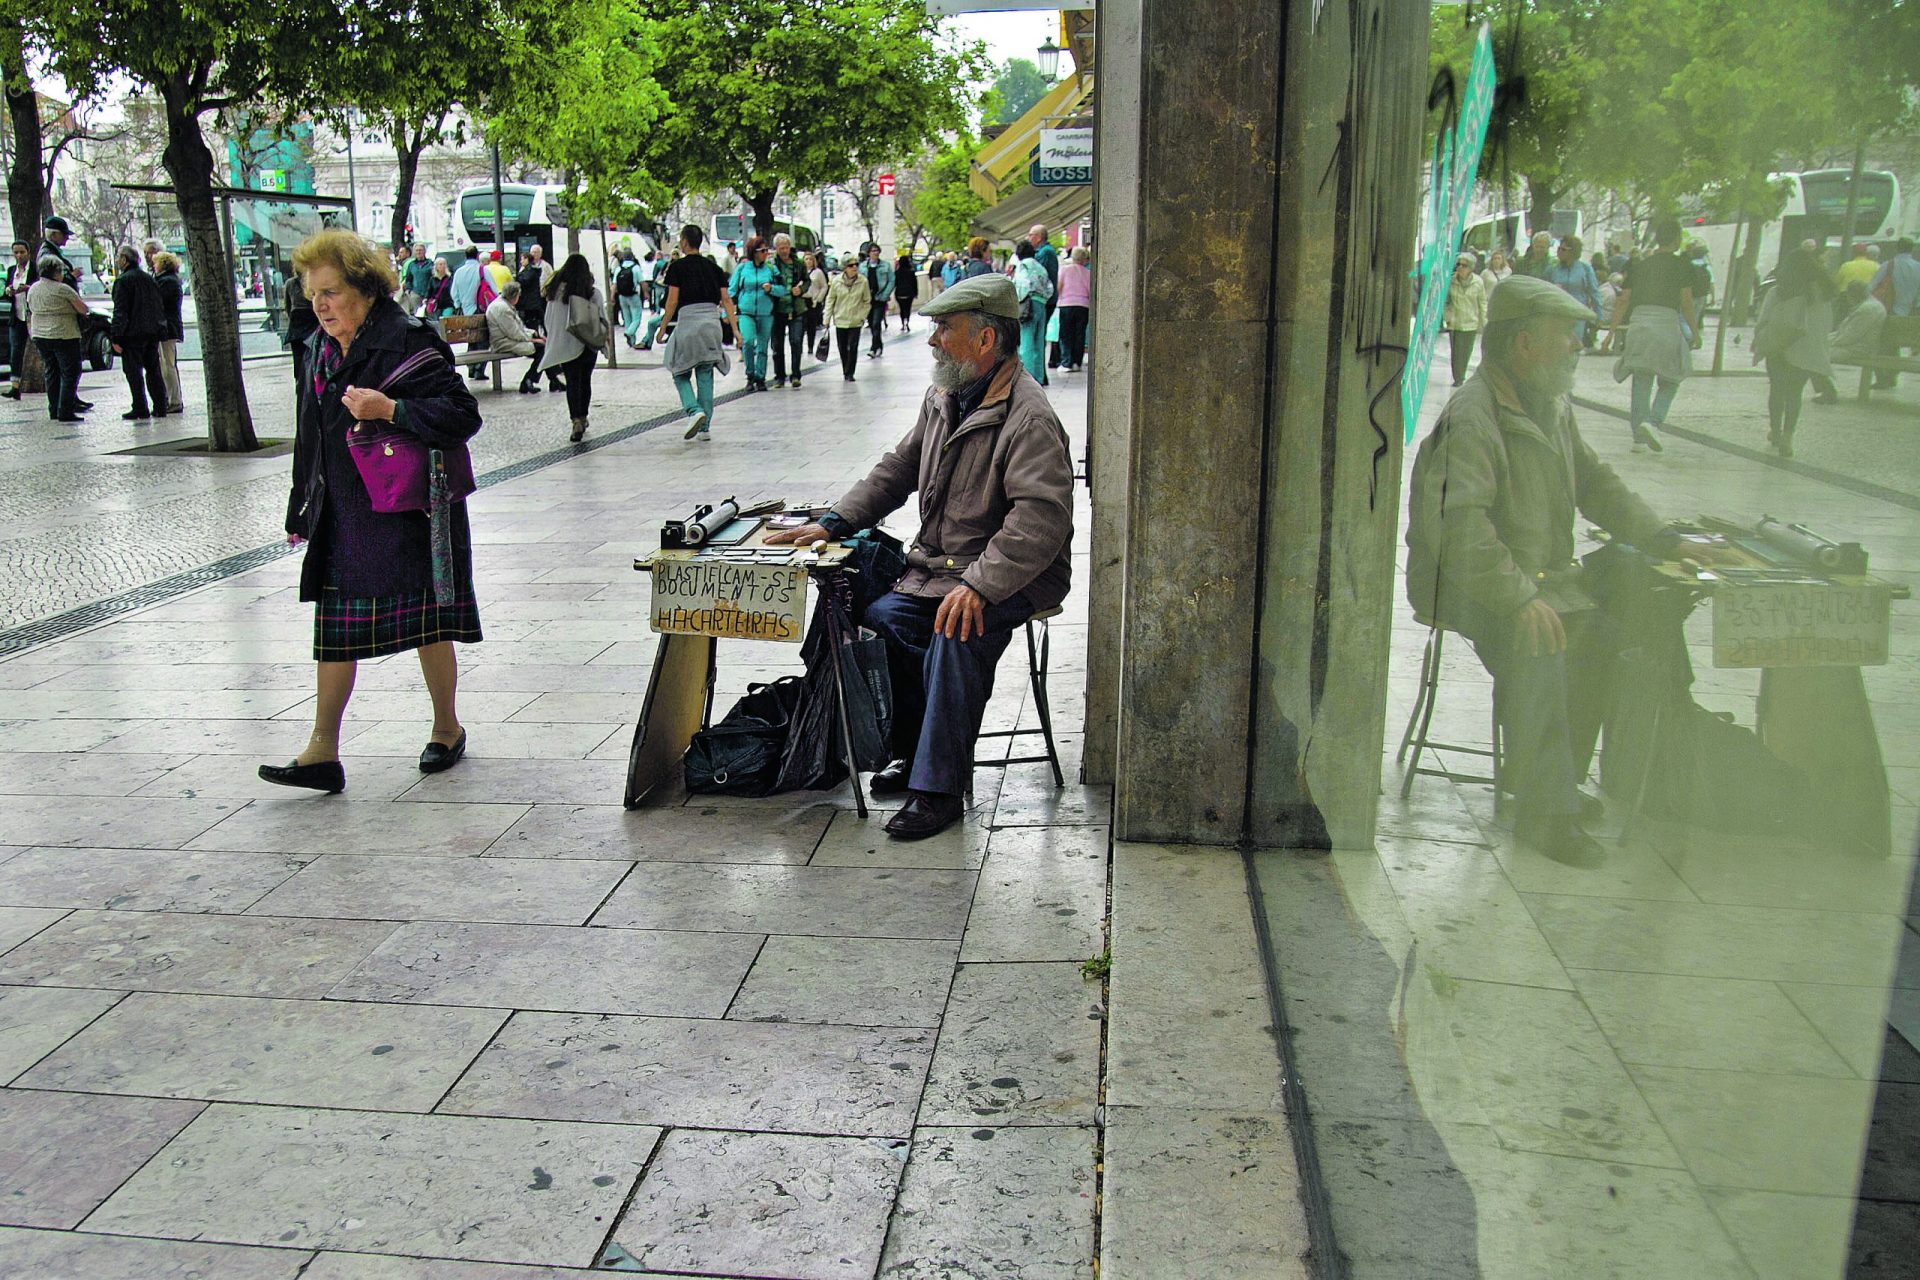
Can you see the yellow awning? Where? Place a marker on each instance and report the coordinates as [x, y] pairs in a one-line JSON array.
[[1009, 153], [1055, 206]]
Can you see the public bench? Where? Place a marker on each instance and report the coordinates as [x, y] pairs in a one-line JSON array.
[[461, 330], [1903, 333]]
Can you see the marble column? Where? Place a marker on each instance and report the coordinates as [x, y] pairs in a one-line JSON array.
[[1264, 260]]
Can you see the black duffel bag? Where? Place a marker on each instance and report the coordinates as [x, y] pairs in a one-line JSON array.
[[741, 755]]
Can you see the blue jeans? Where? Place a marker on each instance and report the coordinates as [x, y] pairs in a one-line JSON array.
[[1643, 393], [940, 686], [694, 400], [754, 331]]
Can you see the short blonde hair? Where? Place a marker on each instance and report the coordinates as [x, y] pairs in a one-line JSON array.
[[362, 267], [165, 260], [1081, 256]]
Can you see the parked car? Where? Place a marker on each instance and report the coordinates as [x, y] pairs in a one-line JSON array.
[[95, 335]]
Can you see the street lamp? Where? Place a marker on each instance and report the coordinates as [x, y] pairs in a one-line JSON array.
[[1049, 59]]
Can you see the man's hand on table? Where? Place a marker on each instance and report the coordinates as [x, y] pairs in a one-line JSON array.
[[805, 535], [962, 614], [1537, 630]]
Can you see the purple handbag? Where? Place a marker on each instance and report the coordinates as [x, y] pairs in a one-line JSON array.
[[396, 466]]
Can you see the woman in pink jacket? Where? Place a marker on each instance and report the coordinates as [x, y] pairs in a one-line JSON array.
[[1076, 298]]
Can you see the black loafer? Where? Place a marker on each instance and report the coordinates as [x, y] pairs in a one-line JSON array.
[[439, 757], [324, 775], [892, 780], [928, 813]]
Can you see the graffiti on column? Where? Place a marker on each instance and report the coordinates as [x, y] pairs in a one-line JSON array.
[[1455, 164]]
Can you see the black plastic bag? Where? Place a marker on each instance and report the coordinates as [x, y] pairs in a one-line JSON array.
[[869, 694], [742, 755]]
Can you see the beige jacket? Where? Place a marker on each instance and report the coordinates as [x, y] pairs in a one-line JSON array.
[[1495, 493], [996, 495]]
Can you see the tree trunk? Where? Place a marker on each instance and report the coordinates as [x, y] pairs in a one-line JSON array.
[[190, 165], [407, 152], [1540, 201], [26, 193], [1743, 276], [762, 204], [571, 182]]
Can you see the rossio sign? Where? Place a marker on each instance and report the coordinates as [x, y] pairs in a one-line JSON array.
[[1064, 158]]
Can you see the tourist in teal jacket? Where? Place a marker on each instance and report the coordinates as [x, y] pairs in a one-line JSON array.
[[754, 287]]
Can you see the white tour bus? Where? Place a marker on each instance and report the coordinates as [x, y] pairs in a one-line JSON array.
[[1814, 208], [537, 214]]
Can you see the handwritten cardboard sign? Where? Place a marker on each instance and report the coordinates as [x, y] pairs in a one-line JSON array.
[[1800, 625], [729, 601]]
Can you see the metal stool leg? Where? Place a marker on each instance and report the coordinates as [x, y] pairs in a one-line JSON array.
[[1423, 711], [1419, 701], [1037, 677]]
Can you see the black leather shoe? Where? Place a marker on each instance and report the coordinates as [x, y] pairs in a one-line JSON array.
[[892, 780], [928, 813], [325, 775], [439, 757], [1561, 839]]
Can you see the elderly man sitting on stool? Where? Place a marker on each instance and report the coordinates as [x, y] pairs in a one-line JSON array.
[[1490, 546], [991, 465]]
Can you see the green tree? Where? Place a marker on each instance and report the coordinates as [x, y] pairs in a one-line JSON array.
[[1544, 59], [773, 93], [1018, 86], [944, 204], [197, 56], [582, 108]]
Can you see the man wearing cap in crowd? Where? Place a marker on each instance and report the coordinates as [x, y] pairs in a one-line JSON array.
[[1490, 542], [990, 462], [54, 246]]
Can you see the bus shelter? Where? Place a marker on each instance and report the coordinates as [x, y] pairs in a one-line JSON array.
[[261, 230]]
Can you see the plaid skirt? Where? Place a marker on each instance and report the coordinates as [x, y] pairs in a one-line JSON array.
[[347, 629]]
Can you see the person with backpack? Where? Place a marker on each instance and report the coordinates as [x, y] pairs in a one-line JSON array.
[[626, 291]]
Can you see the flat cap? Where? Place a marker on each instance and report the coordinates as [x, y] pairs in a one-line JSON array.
[[1523, 298], [992, 294]]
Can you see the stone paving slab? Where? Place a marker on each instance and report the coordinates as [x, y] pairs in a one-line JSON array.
[[868, 982], [830, 901], [319, 1053], [1186, 1184], [142, 879], [809, 1208], [369, 1266], [77, 773], [1020, 1044], [536, 967], [17, 924], [63, 1254], [689, 1072], [1043, 896], [995, 1202], [34, 1021], [437, 1186], [784, 829], [308, 823], [61, 1154], [202, 954], [103, 821], [399, 887]]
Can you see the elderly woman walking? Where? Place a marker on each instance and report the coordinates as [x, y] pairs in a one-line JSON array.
[[1657, 306], [697, 302], [576, 330], [1466, 314], [1076, 306], [383, 418], [849, 301]]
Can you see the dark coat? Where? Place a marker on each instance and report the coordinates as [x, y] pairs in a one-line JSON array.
[[171, 295], [138, 313], [371, 553]]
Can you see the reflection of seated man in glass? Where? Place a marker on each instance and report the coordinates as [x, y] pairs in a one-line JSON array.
[[1496, 486]]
